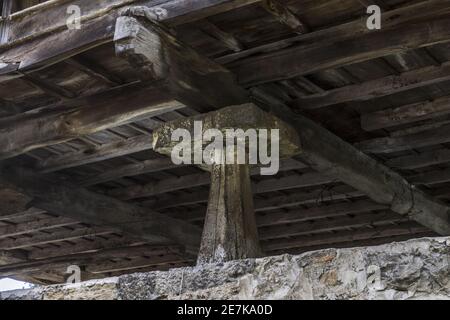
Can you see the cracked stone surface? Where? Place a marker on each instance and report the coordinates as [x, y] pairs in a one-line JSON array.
[[415, 269]]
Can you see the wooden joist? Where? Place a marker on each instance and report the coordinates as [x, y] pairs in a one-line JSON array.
[[64, 199], [421, 160], [376, 88], [344, 236], [272, 66], [29, 131], [285, 16], [407, 142], [405, 114]]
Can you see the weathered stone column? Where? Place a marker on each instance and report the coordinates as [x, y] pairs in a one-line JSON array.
[[230, 230]]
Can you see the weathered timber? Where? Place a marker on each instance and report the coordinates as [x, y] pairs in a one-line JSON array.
[[253, 71], [230, 231], [421, 160], [34, 226], [285, 16], [95, 154], [344, 236], [322, 225], [159, 56], [79, 258], [376, 88], [62, 198], [227, 39], [415, 140], [405, 114], [85, 115], [404, 15]]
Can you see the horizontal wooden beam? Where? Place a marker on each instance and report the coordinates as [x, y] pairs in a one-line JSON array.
[[376, 88], [35, 226], [425, 159], [81, 259], [254, 70], [404, 15], [29, 131], [95, 154], [64, 199], [344, 236], [322, 225], [407, 142], [54, 42], [405, 114], [203, 179]]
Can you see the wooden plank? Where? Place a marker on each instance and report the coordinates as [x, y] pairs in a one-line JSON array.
[[285, 16], [36, 129], [323, 225], [253, 71], [376, 88], [405, 114], [319, 212], [416, 140], [344, 236], [35, 226], [421, 160], [54, 42], [95, 154], [203, 179], [64, 199], [404, 15], [46, 238]]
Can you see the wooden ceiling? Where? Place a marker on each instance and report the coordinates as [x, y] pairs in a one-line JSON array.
[[386, 92]]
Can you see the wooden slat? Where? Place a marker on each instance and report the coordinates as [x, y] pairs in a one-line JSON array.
[[272, 66], [64, 199], [376, 88], [405, 114], [421, 160]]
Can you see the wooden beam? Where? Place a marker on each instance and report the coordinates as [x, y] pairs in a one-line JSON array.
[[405, 114], [323, 225], [32, 130], [254, 71], [54, 42], [31, 266], [95, 154], [284, 15], [404, 15], [225, 38], [203, 179], [159, 56], [320, 212], [344, 236], [425, 159], [35, 226], [415, 140], [62, 198], [376, 88]]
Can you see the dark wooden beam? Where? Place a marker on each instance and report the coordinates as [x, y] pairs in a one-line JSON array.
[[64, 199], [404, 15], [95, 154], [425, 159], [29, 131], [376, 88], [344, 236], [254, 71], [285, 16], [405, 114], [407, 142]]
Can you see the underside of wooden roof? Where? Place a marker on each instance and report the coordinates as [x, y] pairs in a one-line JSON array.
[[80, 183]]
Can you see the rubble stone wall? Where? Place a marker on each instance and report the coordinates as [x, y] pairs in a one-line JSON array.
[[416, 269]]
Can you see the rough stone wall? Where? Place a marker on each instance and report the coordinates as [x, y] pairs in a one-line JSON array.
[[416, 269]]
